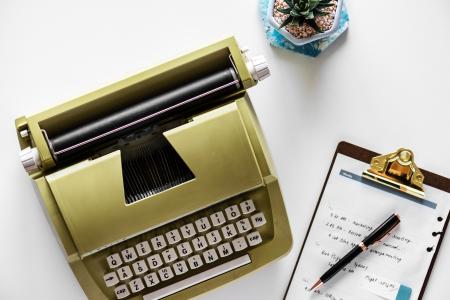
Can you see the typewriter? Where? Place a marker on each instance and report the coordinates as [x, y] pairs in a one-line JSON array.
[[160, 185]]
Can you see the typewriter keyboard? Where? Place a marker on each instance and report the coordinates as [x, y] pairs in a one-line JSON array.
[[174, 258]]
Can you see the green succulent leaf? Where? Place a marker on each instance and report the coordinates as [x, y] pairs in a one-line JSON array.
[[294, 13], [323, 5], [295, 21], [287, 21], [313, 3], [314, 25], [290, 3], [284, 10]]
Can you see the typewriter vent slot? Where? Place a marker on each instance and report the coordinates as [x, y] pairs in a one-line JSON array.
[[148, 170]]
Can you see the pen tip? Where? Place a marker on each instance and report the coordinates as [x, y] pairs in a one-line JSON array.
[[316, 285]]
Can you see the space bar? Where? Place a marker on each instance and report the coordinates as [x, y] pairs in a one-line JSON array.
[[200, 277]]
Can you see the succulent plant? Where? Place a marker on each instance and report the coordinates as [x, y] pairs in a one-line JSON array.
[[304, 11]]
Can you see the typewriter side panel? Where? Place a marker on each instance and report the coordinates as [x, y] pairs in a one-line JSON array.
[[256, 136], [53, 214], [282, 237]]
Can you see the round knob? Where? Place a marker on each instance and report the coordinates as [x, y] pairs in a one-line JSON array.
[[258, 67], [30, 159], [24, 133], [405, 156]]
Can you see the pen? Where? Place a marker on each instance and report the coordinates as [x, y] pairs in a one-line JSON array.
[[374, 237]]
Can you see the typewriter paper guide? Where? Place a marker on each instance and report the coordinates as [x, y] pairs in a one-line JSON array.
[[214, 146], [349, 209]]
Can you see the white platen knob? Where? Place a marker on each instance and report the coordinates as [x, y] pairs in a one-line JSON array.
[[30, 159], [258, 67], [24, 133]]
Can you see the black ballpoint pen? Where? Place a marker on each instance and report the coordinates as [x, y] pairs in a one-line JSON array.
[[374, 237]]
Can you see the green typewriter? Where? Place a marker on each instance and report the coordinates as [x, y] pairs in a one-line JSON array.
[[160, 185]]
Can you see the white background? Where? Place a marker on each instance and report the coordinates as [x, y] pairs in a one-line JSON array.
[[383, 85]]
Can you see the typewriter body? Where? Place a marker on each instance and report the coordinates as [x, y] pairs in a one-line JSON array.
[[160, 185]]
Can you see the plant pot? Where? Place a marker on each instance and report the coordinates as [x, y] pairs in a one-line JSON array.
[[305, 40]]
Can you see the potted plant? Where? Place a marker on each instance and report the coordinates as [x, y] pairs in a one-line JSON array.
[[304, 21]]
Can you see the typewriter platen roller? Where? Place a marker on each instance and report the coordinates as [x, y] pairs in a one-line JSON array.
[[123, 173]]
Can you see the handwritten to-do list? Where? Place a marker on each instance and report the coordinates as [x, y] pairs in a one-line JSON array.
[[344, 229]]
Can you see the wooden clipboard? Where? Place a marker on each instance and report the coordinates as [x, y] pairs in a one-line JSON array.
[[364, 155]]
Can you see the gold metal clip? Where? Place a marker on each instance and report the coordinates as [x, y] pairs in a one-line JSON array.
[[397, 170]]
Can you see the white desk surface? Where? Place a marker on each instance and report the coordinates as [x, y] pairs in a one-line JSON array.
[[383, 85]]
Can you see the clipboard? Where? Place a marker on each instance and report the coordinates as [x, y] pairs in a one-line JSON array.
[[417, 194]]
